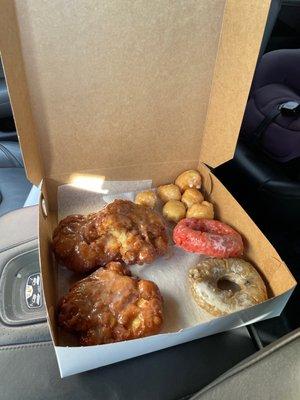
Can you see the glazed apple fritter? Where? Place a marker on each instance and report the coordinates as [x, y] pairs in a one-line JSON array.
[[122, 231], [111, 306]]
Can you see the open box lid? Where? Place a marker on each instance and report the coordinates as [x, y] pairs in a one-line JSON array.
[[97, 86]]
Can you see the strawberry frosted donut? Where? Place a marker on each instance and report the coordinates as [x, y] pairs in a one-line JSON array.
[[209, 237]]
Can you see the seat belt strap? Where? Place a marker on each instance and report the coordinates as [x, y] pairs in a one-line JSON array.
[[290, 108]]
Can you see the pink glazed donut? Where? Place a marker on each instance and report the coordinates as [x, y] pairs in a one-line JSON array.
[[208, 237]]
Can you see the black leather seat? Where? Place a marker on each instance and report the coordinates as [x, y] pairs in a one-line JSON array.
[[7, 126], [5, 108], [272, 185]]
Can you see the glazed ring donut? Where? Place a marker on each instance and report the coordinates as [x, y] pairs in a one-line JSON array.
[[223, 286], [209, 237]]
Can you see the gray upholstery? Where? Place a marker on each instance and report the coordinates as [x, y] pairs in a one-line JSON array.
[[14, 186], [30, 371], [14, 189], [272, 373], [18, 227], [10, 155]]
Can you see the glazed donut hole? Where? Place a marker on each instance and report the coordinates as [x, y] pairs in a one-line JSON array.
[[146, 198], [201, 210], [191, 196], [188, 179], [174, 210], [169, 192]]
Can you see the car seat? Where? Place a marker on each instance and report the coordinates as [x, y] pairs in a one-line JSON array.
[[272, 373], [272, 115]]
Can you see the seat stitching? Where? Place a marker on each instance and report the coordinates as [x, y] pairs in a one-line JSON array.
[[5, 152], [33, 238], [9, 154], [25, 346]]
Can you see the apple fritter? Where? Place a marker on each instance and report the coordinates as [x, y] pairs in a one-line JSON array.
[[122, 231], [110, 306]]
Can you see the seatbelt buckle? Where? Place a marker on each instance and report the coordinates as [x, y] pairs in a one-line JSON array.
[[289, 108]]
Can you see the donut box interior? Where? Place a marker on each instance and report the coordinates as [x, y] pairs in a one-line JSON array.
[[128, 90]]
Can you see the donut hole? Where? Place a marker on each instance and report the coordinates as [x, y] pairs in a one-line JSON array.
[[227, 284]]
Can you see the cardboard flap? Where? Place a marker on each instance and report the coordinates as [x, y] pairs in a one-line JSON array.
[[242, 31], [118, 84]]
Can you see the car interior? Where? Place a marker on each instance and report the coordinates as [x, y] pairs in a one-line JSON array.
[[261, 359]]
